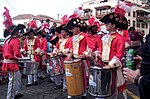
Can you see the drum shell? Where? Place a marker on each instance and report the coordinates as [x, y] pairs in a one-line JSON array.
[[101, 82], [74, 79], [56, 66], [30, 67]]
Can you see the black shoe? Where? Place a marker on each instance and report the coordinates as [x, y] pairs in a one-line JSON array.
[[35, 83], [63, 90], [57, 87], [18, 96], [50, 81], [28, 85], [83, 97]]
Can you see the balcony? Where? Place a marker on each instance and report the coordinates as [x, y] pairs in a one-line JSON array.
[[142, 15], [102, 10], [87, 14]]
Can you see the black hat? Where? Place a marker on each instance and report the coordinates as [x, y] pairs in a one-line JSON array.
[[83, 27], [17, 28], [47, 20], [6, 33], [93, 29], [29, 31], [119, 20], [59, 28], [75, 22], [54, 40]]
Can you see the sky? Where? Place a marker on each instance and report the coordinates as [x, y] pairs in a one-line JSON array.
[[35, 7]]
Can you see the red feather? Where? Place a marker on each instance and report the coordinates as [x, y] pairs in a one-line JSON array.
[[33, 24], [120, 11], [91, 21], [7, 18], [64, 19]]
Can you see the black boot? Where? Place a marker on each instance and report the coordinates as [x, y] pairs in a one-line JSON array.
[[18, 96]]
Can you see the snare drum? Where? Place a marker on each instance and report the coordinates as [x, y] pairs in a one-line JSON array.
[[74, 77], [31, 67], [101, 82], [25, 60], [56, 65]]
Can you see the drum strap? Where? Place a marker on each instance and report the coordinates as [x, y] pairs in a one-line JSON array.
[[9, 61], [106, 48]]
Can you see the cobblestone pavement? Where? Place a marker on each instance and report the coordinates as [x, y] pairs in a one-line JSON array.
[[45, 90]]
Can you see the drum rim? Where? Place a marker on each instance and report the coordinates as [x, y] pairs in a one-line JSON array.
[[100, 96], [73, 61]]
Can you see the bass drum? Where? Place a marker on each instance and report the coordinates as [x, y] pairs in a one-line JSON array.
[[74, 77]]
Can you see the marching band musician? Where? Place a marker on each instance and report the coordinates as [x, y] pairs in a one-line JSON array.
[[125, 34], [113, 46], [63, 49], [11, 56], [43, 48], [31, 48], [56, 59], [94, 40], [78, 46]]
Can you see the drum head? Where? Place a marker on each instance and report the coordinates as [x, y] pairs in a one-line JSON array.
[[73, 61], [26, 58]]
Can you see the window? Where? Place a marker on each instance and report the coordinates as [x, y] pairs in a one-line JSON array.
[[146, 25], [129, 23], [138, 24], [133, 13], [128, 13], [91, 3], [143, 25], [133, 23]]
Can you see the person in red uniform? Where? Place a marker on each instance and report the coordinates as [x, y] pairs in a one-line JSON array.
[[125, 34], [94, 43], [63, 49], [31, 48], [43, 49], [78, 46], [113, 46], [11, 54]]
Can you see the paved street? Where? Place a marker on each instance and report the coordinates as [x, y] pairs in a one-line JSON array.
[[45, 90]]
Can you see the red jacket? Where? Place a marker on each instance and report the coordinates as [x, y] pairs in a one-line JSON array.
[[94, 42], [36, 45], [43, 44], [81, 41], [11, 50]]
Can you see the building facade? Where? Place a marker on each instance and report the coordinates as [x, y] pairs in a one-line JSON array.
[[138, 17]]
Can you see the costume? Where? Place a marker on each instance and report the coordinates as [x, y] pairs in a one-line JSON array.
[[94, 43], [43, 50], [32, 48], [113, 46], [11, 54], [78, 46]]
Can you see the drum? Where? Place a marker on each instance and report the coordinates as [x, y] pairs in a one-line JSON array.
[[30, 67], [56, 66], [101, 82], [74, 77], [24, 61]]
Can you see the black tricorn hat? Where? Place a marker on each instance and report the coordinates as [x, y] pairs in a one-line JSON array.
[[93, 29], [17, 28], [31, 30], [75, 22], [83, 27], [6, 33], [59, 28], [54, 40], [119, 20]]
